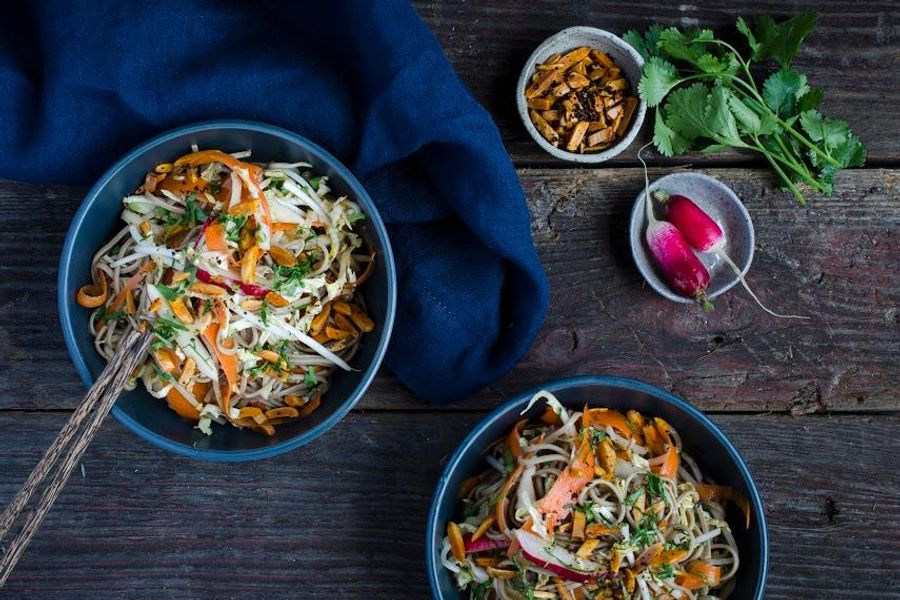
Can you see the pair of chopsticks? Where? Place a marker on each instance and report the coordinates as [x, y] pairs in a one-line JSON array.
[[66, 451]]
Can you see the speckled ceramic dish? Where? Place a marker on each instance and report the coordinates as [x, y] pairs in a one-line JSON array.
[[617, 49], [715, 453], [718, 201]]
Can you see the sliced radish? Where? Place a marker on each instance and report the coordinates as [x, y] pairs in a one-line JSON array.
[[483, 544], [557, 560]]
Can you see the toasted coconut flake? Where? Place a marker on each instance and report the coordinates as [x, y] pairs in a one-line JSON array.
[[282, 257], [207, 289], [276, 300], [181, 310], [318, 323], [282, 412]]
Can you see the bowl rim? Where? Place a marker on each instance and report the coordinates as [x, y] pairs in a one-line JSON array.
[[637, 219], [431, 528], [361, 196], [559, 153]]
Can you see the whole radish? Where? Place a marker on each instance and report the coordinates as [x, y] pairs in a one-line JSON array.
[[680, 267], [704, 234]]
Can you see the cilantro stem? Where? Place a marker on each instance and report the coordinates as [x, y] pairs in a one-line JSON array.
[[797, 193]]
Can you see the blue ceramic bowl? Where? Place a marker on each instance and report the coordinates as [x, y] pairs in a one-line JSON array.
[[715, 454], [98, 219]]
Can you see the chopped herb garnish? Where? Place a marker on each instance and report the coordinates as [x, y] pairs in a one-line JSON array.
[[645, 532], [356, 217], [315, 182], [105, 317], [264, 311], [509, 460], [597, 437], [162, 374], [684, 544], [165, 331], [654, 485], [633, 496], [170, 293], [233, 225], [665, 572], [289, 280], [309, 379], [193, 213]]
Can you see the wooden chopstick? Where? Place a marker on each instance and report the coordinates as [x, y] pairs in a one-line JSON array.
[[69, 446]]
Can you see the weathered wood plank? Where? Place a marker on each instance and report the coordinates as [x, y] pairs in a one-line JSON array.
[[851, 55], [835, 261], [342, 518]]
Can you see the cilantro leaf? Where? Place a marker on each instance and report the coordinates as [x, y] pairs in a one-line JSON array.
[[654, 485], [720, 119], [831, 132], [717, 65], [658, 79], [665, 572], [744, 28], [780, 41], [783, 89], [748, 120], [169, 293], [686, 45], [645, 44], [309, 378], [193, 213], [666, 140], [810, 100], [686, 108]]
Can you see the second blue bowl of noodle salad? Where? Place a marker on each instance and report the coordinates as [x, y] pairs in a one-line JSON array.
[[98, 220], [551, 507]]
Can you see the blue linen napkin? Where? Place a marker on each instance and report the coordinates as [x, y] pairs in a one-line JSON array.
[[82, 82]]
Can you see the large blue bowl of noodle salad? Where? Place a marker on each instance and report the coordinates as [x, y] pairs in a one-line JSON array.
[[96, 222]]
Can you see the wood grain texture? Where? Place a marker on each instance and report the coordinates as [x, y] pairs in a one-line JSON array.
[[851, 54], [341, 518], [835, 260]]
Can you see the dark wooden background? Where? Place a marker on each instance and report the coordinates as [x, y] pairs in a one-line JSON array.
[[814, 405]]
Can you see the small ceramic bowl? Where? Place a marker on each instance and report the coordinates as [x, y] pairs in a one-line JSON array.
[[718, 201], [98, 219], [626, 57], [715, 453]]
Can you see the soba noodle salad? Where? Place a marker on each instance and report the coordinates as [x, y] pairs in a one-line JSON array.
[[592, 504], [247, 275]]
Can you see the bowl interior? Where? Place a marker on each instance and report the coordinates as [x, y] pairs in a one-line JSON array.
[[715, 455], [99, 219], [618, 50], [718, 201]]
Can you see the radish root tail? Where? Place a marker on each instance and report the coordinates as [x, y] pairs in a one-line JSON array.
[[740, 275], [648, 200]]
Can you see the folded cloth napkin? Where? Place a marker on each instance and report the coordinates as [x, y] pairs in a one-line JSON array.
[[81, 82]]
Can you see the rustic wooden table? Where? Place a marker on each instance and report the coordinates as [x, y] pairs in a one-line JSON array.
[[814, 405]]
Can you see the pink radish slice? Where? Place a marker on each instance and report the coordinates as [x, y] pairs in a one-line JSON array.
[[483, 544], [561, 562], [704, 234], [251, 289]]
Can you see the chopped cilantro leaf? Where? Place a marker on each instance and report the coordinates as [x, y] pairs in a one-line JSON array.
[[309, 379]]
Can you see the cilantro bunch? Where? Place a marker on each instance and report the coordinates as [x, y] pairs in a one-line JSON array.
[[706, 100]]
